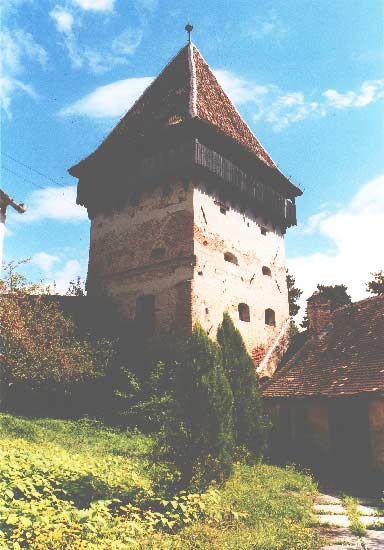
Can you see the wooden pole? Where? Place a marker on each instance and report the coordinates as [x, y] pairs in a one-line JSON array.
[[5, 201]]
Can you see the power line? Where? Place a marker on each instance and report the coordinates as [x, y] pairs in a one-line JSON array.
[[34, 184], [32, 169]]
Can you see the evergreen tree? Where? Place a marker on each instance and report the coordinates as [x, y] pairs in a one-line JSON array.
[[376, 286], [294, 294], [198, 435], [250, 427]]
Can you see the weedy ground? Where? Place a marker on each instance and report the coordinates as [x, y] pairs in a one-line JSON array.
[[77, 485]]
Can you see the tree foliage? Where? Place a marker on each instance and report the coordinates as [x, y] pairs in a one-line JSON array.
[[198, 435], [249, 423], [38, 344], [76, 287], [376, 285], [337, 296], [294, 294]]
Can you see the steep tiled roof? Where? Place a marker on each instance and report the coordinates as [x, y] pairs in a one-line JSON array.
[[214, 107], [186, 89], [348, 358]]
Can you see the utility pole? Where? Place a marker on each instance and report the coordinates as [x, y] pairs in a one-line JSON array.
[[5, 201]]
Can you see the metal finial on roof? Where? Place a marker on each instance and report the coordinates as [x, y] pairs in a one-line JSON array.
[[189, 29]]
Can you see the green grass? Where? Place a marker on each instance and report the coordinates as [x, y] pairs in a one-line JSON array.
[[76, 485], [351, 506]]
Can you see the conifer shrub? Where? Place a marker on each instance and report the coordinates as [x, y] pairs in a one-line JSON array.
[[198, 434], [250, 426]]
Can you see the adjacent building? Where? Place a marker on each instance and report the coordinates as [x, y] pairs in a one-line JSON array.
[[327, 401]]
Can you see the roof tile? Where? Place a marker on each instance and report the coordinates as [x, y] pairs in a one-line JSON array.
[[347, 360]]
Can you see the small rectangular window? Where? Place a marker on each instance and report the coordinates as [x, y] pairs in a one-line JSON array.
[[244, 314]]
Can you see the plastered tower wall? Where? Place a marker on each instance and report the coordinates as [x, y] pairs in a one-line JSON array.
[[172, 245], [147, 249], [220, 285]]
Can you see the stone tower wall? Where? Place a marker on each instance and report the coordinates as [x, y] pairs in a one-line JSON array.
[[220, 286], [147, 249], [171, 245]]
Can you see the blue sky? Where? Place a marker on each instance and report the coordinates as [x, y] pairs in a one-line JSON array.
[[306, 75]]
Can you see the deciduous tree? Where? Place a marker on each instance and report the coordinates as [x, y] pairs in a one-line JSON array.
[[376, 285], [39, 345]]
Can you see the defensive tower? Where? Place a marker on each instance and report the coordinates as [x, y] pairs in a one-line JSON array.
[[188, 214]]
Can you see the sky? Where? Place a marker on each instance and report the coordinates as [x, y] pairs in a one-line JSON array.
[[306, 75]]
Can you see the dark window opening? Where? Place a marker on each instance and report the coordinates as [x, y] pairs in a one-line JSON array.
[[158, 253], [229, 257], [206, 311], [263, 230], [270, 317], [145, 314], [244, 313], [266, 271], [200, 273], [223, 210]]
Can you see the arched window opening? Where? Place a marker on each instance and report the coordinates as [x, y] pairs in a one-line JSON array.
[[229, 257], [244, 314], [145, 314], [270, 317], [263, 230], [158, 253], [266, 271]]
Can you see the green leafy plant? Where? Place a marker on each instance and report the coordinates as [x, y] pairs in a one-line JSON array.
[[39, 345], [351, 504], [80, 485]]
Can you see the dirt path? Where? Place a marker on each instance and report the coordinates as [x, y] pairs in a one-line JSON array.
[[343, 530]]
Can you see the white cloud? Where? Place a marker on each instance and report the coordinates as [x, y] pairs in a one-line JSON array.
[[238, 89], [267, 25], [55, 203], [282, 108], [99, 60], [18, 47], [95, 5], [62, 277], [44, 260], [370, 91], [268, 102], [355, 233], [127, 42], [63, 19], [112, 100], [312, 223]]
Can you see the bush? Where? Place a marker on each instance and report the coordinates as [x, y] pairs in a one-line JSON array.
[[249, 422], [39, 348]]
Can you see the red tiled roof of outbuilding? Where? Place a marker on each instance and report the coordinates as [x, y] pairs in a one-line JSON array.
[[347, 359]]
